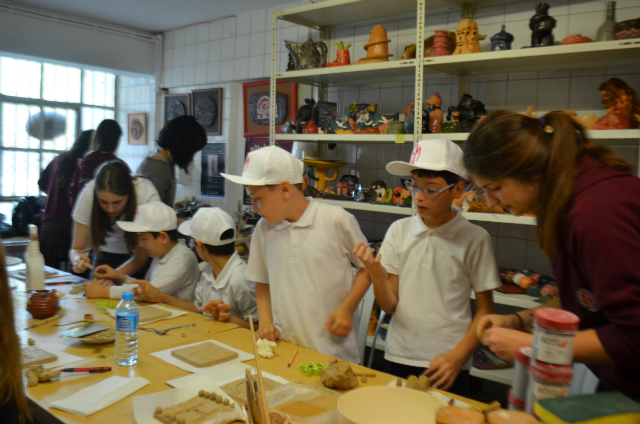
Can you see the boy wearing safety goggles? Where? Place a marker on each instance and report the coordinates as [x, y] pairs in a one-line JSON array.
[[427, 266]]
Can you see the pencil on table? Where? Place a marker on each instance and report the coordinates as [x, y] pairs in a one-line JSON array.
[[295, 352]]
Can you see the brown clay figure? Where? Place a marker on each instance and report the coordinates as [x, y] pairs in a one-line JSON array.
[[623, 108], [308, 55], [467, 37], [435, 113], [542, 26]]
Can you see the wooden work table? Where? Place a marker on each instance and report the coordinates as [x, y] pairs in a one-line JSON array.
[[149, 367]]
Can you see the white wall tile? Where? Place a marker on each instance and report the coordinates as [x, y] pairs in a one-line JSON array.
[[167, 58], [522, 94], [215, 51], [190, 55], [290, 34], [553, 94], [202, 53], [242, 46], [215, 30], [244, 24], [191, 36], [391, 100], [259, 22], [189, 76], [366, 227], [229, 27], [513, 231], [168, 41], [519, 11], [583, 98], [256, 67], [241, 69], [267, 65], [387, 153], [201, 73], [228, 69], [367, 156], [214, 72], [511, 253], [380, 230], [228, 48], [178, 57], [558, 7], [536, 259], [179, 37], [583, 23], [584, 6], [489, 15], [347, 152], [203, 33], [493, 94], [167, 77], [177, 78], [256, 47]]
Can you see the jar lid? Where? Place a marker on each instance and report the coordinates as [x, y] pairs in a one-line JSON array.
[[524, 354], [556, 319], [551, 374]]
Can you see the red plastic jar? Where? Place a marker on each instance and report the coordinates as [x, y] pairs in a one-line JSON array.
[[547, 381], [554, 336]]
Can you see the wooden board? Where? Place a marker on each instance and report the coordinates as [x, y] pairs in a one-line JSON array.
[[238, 389], [32, 355], [151, 313], [204, 354]]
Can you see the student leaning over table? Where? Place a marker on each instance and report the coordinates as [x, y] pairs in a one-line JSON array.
[[14, 406], [426, 268], [114, 194], [587, 203], [222, 292], [174, 268], [301, 259]]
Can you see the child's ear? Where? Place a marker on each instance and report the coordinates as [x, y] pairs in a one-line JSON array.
[[286, 189], [458, 190], [164, 237]]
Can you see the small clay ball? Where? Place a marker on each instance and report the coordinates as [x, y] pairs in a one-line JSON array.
[[31, 342], [399, 382], [166, 415], [219, 399], [213, 396], [158, 410], [226, 401], [363, 378], [207, 394], [181, 420], [412, 382], [201, 393]]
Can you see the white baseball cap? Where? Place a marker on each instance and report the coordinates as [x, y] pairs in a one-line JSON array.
[[151, 217], [208, 225], [270, 165], [432, 155]]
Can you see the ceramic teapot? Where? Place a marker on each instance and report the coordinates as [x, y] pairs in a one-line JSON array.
[[312, 54]]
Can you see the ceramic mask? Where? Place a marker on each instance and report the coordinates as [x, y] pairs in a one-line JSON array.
[[467, 37]]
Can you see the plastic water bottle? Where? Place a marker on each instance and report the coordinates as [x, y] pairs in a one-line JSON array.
[[127, 315]]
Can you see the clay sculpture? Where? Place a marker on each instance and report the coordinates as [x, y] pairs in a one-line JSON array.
[[470, 112], [309, 55], [204, 354], [435, 113], [433, 44], [266, 348], [623, 107], [38, 374], [151, 313], [339, 375], [238, 389], [377, 48], [542, 26], [501, 41], [467, 37], [202, 408]]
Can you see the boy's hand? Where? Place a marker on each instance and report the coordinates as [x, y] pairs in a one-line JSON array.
[[269, 332], [443, 370], [217, 309], [504, 341], [105, 272], [495, 320], [146, 291], [376, 270], [340, 322], [96, 291]]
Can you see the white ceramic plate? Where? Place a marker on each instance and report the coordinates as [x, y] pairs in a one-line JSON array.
[[97, 341], [10, 260]]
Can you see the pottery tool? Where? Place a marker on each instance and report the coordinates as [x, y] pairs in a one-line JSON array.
[[365, 374], [45, 321], [295, 352], [253, 412], [84, 330], [265, 408], [90, 370]]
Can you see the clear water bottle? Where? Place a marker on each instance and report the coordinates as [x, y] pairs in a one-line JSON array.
[[127, 315]]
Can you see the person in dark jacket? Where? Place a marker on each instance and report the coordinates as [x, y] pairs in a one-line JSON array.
[[105, 142], [587, 204], [57, 225]]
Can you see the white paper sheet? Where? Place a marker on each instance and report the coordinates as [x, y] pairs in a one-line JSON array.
[[166, 356], [225, 375], [174, 313], [99, 396], [438, 395], [145, 406]]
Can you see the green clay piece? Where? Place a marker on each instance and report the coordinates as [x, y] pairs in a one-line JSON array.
[[312, 368]]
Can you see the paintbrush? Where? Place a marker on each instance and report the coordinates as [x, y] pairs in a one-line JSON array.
[[263, 396], [37, 324]]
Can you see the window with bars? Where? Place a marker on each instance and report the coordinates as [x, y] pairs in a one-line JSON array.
[[43, 108]]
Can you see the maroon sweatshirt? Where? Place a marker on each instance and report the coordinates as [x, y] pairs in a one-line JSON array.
[[86, 171], [598, 270], [58, 203]]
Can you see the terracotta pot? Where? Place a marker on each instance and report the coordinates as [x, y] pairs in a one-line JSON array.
[[43, 304], [310, 128], [343, 57]]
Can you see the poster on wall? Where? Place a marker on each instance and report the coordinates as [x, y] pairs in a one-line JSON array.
[[213, 163], [252, 144], [257, 106]]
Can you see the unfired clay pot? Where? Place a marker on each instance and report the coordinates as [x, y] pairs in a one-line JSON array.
[[43, 304]]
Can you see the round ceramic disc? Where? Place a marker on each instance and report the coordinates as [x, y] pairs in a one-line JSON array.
[[136, 129], [175, 109], [206, 110]]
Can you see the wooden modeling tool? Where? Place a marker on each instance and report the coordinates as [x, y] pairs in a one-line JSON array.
[[38, 324], [295, 352], [252, 405], [263, 396]]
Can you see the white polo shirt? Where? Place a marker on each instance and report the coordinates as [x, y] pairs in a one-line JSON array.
[[307, 265], [114, 242], [437, 270], [176, 274], [231, 287]]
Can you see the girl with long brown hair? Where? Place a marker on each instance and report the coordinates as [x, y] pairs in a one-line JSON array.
[[114, 195], [13, 402], [587, 203]]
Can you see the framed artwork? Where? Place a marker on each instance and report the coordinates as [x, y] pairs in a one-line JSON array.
[[137, 128], [176, 105], [213, 163], [206, 107], [257, 106]]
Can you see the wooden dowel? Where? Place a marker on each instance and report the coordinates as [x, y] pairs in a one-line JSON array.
[[263, 395]]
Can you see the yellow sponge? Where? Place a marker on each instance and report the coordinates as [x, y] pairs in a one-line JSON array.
[[603, 408]]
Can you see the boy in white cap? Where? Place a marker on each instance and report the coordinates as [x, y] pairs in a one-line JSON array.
[[300, 259], [427, 266], [174, 268], [222, 292]]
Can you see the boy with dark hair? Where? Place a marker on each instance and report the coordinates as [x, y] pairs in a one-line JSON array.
[[222, 292], [174, 268], [427, 266]]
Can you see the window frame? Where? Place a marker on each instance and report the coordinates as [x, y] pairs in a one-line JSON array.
[[40, 102]]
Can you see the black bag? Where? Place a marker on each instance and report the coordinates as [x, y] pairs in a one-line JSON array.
[[27, 211]]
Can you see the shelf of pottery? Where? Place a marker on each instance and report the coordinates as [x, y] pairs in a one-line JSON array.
[[445, 54]]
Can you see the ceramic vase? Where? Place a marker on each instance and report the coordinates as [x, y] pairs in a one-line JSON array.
[[43, 304], [439, 44]]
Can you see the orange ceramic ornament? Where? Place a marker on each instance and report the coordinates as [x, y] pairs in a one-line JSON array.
[[467, 37], [377, 48]]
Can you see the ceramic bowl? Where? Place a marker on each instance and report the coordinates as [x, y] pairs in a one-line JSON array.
[[93, 340], [384, 405]]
